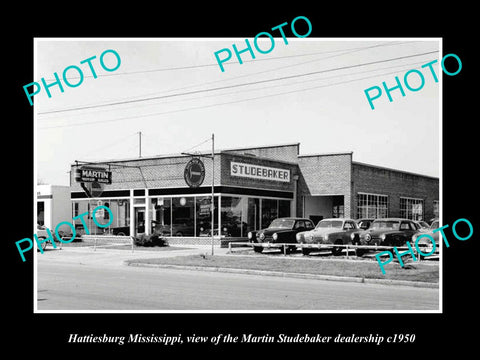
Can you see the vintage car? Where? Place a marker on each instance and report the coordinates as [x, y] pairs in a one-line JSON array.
[[280, 231], [67, 235], [179, 228], [364, 224], [425, 244], [335, 231], [42, 234], [423, 225], [388, 232]]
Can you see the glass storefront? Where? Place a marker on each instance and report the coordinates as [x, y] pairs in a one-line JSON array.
[[120, 209], [231, 216], [187, 216], [203, 216]]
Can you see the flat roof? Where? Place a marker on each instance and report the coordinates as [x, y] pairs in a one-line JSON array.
[[391, 169], [327, 154], [219, 151], [205, 152]]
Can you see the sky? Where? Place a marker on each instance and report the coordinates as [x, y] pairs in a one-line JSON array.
[[309, 91]]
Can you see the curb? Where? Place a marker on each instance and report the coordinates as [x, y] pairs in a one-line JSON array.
[[288, 275]]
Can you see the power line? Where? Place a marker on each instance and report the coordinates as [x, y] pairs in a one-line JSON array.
[[220, 104], [343, 52], [239, 85], [216, 64], [263, 88]]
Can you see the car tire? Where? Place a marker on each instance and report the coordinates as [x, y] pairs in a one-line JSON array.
[[120, 233], [179, 233], [336, 250], [290, 249], [286, 250], [360, 252], [258, 249], [44, 244]]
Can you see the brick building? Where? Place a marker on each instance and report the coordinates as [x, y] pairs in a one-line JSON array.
[[252, 186]]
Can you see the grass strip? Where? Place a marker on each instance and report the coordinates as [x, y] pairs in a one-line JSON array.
[[338, 267]]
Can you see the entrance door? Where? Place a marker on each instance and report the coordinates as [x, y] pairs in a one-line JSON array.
[[40, 212], [139, 220]]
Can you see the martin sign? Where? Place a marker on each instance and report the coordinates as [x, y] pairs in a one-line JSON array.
[[93, 175], [259, 172]]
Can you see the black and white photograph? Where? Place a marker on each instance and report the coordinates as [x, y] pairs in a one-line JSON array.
[[310, 182], [272, 183]]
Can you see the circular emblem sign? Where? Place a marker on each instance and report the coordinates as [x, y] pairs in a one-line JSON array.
[[194, 173]]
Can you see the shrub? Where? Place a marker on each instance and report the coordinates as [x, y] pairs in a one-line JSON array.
[[150, 240]]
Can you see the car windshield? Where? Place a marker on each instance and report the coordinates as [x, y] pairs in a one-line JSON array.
[[330, 224], [282, 223], [391, 225]]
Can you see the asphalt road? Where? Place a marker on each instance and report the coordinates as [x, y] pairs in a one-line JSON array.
[[67, 282]]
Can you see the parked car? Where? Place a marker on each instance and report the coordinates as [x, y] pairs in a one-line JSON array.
[[207, 231], [388, 232], [423, 225], [335, 231], [364, 224], [229, 229], [281, 230], [425, 244], [43, 234], [120, 230], [181, 228]]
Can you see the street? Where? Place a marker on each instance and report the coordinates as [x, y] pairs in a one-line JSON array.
[[86, 281]]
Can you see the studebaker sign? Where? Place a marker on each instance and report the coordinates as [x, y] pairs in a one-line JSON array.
[[259, 172]]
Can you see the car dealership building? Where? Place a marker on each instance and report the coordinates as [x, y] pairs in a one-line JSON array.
[[251, 186]]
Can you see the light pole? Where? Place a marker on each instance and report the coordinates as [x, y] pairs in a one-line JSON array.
[[213, 191], [212, 205]]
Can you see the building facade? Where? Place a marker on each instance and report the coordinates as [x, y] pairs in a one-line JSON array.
[[251, 187], [53, 205]]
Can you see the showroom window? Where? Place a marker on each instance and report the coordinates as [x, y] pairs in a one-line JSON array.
[[120, 223], [283, 208], [269, 211], [372, 206], [252, 214], [183, 221], [203, 217], [231, 217]]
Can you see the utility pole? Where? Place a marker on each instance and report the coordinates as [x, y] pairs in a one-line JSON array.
[[139, 144], [212, 205], [213, 191]]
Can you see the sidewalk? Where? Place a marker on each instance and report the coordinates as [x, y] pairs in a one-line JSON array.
[[109, 256]]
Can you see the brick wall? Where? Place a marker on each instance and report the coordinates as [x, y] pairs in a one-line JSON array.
[[395, 184], [328, 174], [287, 152]]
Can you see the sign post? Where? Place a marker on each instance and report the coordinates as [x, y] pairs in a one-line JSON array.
[[195, 174], [213, 191]]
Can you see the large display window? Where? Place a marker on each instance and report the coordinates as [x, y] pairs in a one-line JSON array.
[[186, 216], [120, 209], [204, 216], [231, 216]]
